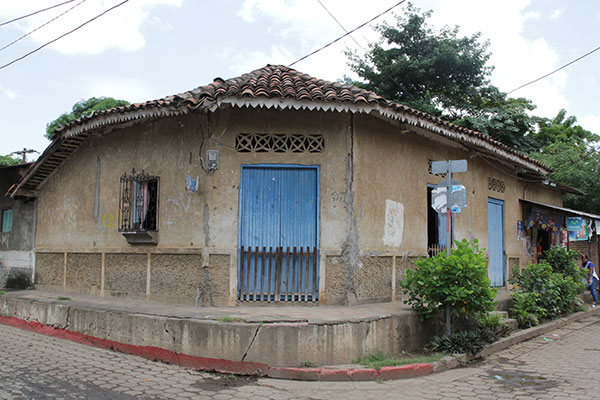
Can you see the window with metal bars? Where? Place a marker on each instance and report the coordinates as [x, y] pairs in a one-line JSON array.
[[138, 202]]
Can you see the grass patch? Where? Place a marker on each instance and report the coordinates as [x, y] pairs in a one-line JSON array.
[[230, 319], [63, 298], [379, 360], [307, 364], [2, 292]]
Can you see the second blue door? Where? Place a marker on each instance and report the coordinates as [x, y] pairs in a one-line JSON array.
[[496, 241]]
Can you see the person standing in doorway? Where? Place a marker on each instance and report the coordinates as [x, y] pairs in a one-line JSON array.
[[592, 277]]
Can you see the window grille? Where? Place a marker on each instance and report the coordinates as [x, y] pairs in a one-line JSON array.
[[279, 143], [138, 204], [496, 185]]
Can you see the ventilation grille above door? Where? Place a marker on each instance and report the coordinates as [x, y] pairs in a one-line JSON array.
[[279, 143]]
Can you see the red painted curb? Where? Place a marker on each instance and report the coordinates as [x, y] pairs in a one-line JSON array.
[[149, 352], [222, 365], [405, 371], [367, 374], [335, 374]]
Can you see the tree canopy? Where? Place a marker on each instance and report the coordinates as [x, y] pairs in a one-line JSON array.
[[83, 108], [433, 71], [569, 150], [9, 160], [443, 74], [439, 72]]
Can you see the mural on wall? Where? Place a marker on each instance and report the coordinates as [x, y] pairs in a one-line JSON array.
[[544, 220]]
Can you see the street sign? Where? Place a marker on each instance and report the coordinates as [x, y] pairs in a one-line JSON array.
[[441, 167], [455, 199]]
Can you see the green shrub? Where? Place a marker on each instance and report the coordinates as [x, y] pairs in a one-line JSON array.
[[525, 309], [463, 342], [489, 320], [460, 281], [469, 342], [557, 292], [563, 261]]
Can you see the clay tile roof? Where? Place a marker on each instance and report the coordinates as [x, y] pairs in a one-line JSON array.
[[270, 82]]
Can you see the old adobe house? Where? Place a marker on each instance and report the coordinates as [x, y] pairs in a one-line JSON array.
[[272, 186]]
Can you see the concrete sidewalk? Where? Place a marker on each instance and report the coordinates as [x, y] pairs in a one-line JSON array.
[[267, 339]]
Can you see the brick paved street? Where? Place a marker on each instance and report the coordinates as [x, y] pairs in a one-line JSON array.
[[563, 365]]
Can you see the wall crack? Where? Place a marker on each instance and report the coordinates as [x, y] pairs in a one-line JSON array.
[[251, 343], [350, 250]]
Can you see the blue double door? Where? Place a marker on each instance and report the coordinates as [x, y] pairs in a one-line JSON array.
[[496, 242], [279, 211]]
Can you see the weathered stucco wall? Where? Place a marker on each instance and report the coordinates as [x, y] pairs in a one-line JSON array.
[[16, 246], [201, 225], [390, 185]]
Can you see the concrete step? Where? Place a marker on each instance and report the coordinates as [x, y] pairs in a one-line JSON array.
[[502, 314], [510, 322]]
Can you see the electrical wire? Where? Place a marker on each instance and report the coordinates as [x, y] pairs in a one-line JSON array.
[[340, 24], [347, 33], [36, 12], [358, 44], [556, 70], [41, 26], [63, 35]]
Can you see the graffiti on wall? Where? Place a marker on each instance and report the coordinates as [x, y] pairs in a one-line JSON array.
[[108, 221], [4, 240]]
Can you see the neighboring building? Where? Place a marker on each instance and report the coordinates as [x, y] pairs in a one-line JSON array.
[[271, 186], [17, 223]]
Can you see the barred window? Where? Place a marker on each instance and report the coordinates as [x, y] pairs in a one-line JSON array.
[[279, 143], [138, 204]]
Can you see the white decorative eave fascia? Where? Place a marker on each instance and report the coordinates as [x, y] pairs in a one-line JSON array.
[[387, 112], [119, 118]]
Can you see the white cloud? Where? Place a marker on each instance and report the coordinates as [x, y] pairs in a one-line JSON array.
[[119, 28], [517, 60], [556, 13], [591, 123], [11, 94], [127, 88]]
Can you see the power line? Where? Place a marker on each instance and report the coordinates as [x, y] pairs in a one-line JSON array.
[[339, 23], [41, 26], [63, 35], [358, 44], [556, 70], [347, 33], [36, 12]]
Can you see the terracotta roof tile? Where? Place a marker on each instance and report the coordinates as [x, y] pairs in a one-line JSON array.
[[272, 81]]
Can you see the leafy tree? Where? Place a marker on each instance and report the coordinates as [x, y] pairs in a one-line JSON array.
[[569, 150], [440, 73], [80, 109], [507, 120], [425, 69], [9, 160]]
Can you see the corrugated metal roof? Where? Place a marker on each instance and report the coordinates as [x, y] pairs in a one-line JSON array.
[[562, 209]]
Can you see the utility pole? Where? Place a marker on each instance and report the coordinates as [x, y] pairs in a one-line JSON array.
[[23, 153]]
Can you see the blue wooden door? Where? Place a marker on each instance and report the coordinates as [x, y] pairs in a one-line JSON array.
[[278, 210], [496, 241]]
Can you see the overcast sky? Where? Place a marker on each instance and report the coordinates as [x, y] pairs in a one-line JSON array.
[[147, 49]]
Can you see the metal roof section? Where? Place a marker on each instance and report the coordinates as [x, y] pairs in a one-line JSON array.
[[274, 86], [562, 209]]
